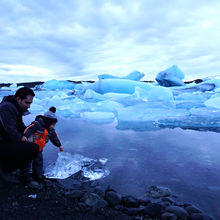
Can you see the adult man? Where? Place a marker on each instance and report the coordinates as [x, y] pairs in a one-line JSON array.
[[15, 152]]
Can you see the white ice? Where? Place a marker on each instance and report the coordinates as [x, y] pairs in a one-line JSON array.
[[68, 164]]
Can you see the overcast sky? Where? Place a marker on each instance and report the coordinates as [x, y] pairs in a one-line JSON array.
[[80, 39]]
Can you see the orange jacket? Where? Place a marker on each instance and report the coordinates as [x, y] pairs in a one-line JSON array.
[[42, 140]]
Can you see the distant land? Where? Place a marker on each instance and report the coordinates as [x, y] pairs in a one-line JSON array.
[[33, 84]]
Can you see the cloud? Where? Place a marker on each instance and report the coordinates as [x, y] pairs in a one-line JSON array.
[[81, 39]]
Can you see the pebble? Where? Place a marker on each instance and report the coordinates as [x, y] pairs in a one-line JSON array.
[[157, 192], [95, 200], [113, 198], [152, 209], [179, 211], [130, 202]]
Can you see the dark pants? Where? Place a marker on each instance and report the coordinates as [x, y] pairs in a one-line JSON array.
[[16, 155], [37, 165]]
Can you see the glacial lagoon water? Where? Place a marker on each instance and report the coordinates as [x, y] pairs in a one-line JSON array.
[[185, 161]]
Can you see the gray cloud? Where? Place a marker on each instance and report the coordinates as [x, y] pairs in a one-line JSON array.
[[80, 39]]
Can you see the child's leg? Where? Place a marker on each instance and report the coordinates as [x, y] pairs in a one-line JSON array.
[[37, 166]]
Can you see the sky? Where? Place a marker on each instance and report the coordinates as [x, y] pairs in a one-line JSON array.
[[78, 40]]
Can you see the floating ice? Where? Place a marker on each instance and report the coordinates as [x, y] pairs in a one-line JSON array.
[[170, 77], [213, 102], [118, 86], [58, 84], [68, 164], [135, 75]]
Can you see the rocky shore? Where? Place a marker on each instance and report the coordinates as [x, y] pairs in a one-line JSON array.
[[74, 199]]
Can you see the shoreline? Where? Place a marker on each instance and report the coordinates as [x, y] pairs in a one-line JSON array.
[[72, 198]]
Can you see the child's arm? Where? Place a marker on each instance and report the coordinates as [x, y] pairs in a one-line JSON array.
[[31, 129], [55, 139]]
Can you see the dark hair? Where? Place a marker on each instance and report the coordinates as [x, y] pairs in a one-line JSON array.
[[24, 92]]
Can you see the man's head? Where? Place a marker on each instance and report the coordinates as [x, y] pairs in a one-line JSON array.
[[24, 97]]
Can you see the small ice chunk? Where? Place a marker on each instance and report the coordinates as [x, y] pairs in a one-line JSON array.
[[33, 196]]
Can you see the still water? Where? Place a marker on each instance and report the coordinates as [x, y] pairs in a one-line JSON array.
[[185, 161]]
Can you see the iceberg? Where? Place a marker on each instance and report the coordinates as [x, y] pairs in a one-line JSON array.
[[134, 75], [68, 164], [170, 77], [58, 84], [117, 86]]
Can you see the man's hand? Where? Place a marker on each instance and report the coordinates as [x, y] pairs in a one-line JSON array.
[[61, 149], [24, 138]]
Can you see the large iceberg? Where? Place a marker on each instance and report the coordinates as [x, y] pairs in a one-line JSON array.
[[134, 75], [58, 84], [170, 77], [117, 86]]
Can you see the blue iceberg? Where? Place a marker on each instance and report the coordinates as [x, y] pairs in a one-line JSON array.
[[170, 77], [134, 75]]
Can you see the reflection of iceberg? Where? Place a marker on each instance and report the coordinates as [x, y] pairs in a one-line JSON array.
[[67, 164]]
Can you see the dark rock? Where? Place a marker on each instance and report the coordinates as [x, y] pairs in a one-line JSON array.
[[180, 212], [75, 194], [164, 204], [120, 208], [95, 200], [167, 199], [192, 209], [153, 210], [134, 211], [168, 216], [157, 192], [196, 217], [130, 202], [113, 198], [180, 204], [143, 201], [200, 216], [100, 191]]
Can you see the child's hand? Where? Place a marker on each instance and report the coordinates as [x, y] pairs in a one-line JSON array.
[[61, 149], [24, 138]]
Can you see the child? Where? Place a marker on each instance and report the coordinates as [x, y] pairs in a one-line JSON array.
[[40, 131]]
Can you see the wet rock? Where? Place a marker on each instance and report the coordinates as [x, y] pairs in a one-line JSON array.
[[134, 211], [95, 200], [100, 191], [157, 192], [164, 204], [171, 201], [180, 212], [168, 216], [192, 209], [152, 209], [143, 201], [75, 194], [200, 216], [113, 198], [130, 202]]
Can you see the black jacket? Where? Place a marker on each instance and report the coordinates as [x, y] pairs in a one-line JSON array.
[[11, 122]]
